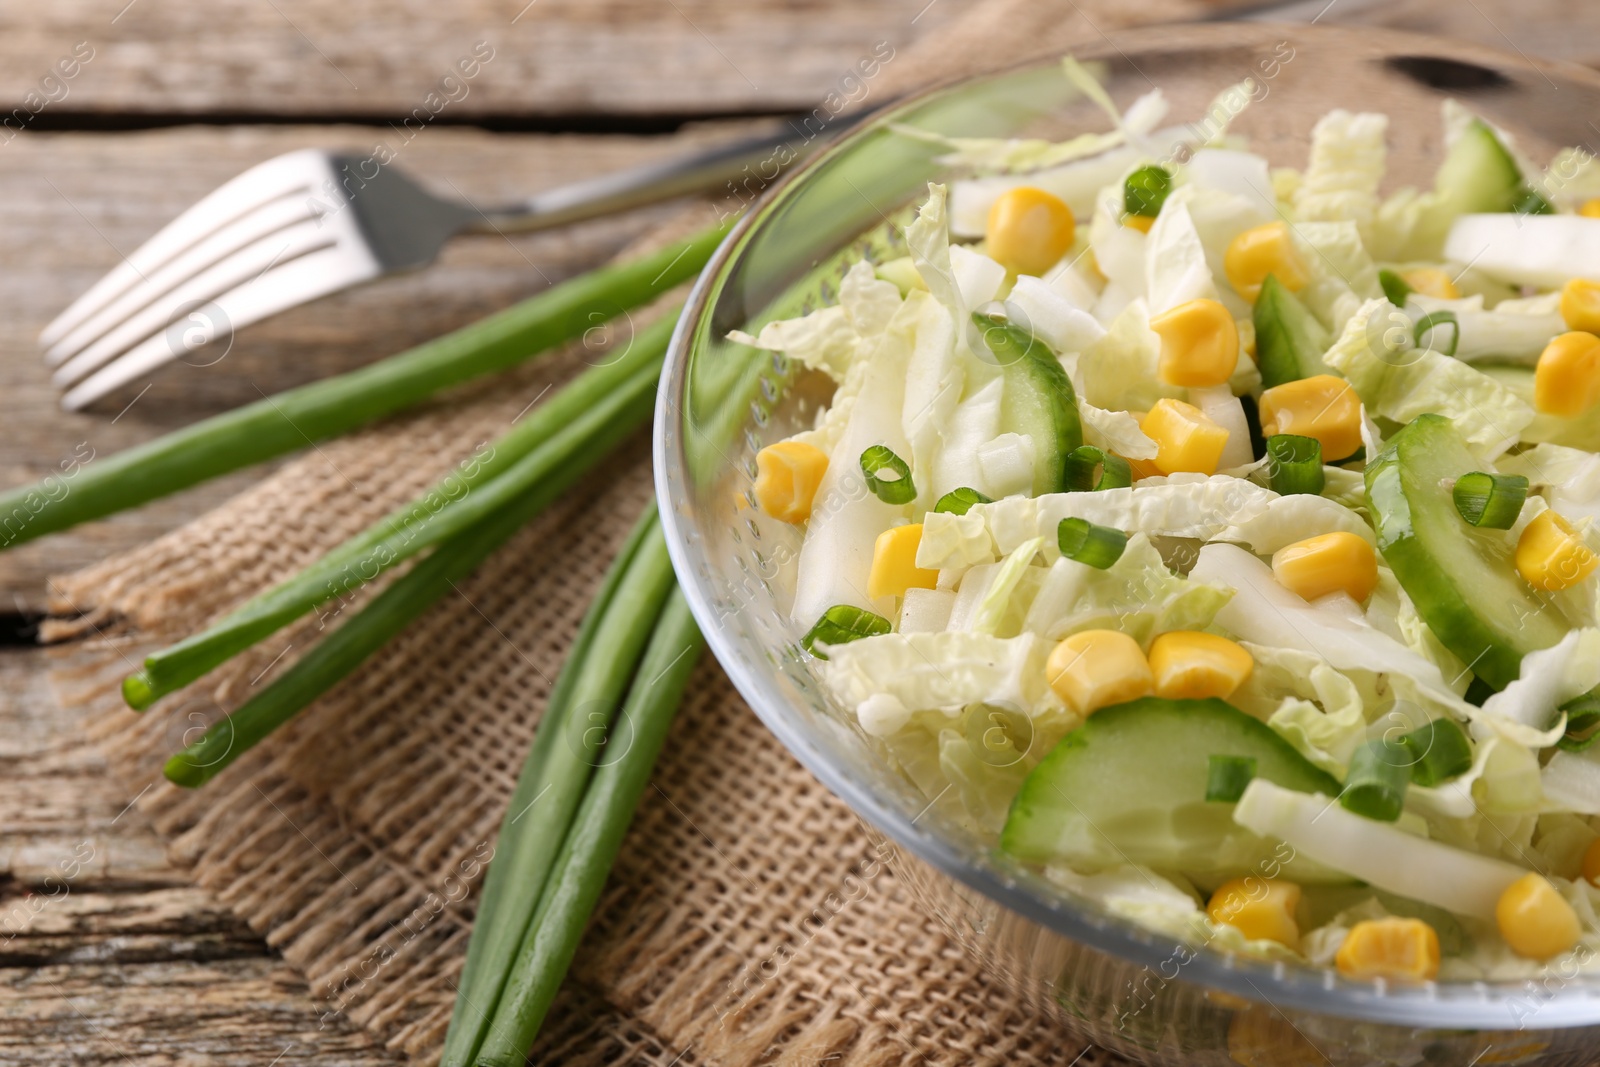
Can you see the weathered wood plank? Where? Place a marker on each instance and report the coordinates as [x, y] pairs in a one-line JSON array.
[[107, 953], [550, 57], [72, 204]]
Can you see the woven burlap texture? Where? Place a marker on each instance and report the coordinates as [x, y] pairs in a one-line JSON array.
[[749, 919]]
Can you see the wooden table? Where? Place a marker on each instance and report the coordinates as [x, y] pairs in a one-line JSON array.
[[124, 961]]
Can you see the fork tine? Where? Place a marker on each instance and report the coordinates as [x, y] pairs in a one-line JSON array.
[[270, 218], [266, 181], [283, 286], [255, 259]]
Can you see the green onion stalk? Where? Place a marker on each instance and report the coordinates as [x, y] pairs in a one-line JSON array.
[[290, 420], [559, 439], [574, 885], [390, 612]]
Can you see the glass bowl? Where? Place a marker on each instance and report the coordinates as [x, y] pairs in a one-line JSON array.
[[1137, 992]]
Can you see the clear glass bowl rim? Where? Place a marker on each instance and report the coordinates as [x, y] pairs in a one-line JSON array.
[[1574, 1002]]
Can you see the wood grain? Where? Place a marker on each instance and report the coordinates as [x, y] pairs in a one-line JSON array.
[[551, 57], [64, 220]]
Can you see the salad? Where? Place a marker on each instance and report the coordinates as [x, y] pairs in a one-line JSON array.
[[1215, 538]]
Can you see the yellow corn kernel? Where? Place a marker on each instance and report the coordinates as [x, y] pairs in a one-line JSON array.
[[1260, 251], [1431, 281], [1590, 208], [1097, 668], [1142, 223], [1567, 380], [1186, 438], [1580, 305], [1189, 665], [1550, 554], [1322, 406], [787, 476], [1261, 908], [1029, 230], [894, 563], [1406, 949], [1327, 563], [1199, 343], [1261, 1036], [1535, 919], [1591, 862]]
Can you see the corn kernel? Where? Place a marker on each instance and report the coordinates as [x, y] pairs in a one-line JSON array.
[[1591, 862], [1406, 949], [1431, 281], [1580, 305], [1261, 908], [894, 563], [1590, 208], [1550, 554], [1186, 439], [1260, 1036], [1029, 230], [1322, 406], [1199, 344], [1535, 919], [787, 476], [1096, 668], [1260, 251], [1189, 665], [1142, 223], [1338, 562], [1144, 468], [1567, 380]]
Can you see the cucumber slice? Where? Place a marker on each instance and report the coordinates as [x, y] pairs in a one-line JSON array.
[[1462, 579], [1477, 174], [1129, 786], [1289, 339], [1038, 401]]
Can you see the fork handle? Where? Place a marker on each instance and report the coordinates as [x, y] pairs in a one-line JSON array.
[[744, 169]]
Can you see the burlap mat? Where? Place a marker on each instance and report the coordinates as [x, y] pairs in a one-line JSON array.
[[749, 919]]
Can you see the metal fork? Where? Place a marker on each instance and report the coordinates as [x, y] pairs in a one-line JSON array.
[[306, 224]]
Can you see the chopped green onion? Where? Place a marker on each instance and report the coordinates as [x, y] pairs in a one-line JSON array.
[[1010, 342], [1294, 464], [1145, 190], [1583, 723], [1490, 501], [1092, 469], [888, 476], [1376, 785], [842, 624], [1439, 752], [290, 420], [1532, 202], [960, 501], [1439, 318], [1394, 287], [1084, 542], [1227, 776]]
